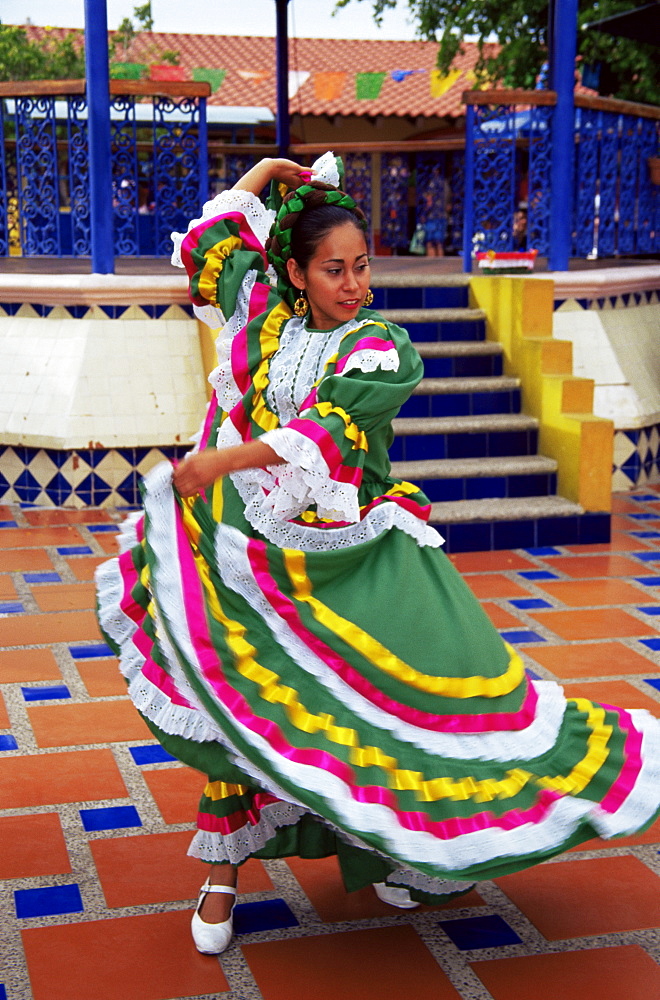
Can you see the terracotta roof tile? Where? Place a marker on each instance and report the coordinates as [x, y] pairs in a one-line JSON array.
[[250, 66]]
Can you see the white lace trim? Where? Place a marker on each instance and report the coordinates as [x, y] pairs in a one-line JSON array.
[[305, 480], [369, 360], [241, 844], [325, 169], [222, 377], [537, 739], [411, 879]]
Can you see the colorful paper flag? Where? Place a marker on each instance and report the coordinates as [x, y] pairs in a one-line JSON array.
[[253, 75], [328, 86], [368, 85], [127, 70], [163, 72], [441, 84], [215, 77]]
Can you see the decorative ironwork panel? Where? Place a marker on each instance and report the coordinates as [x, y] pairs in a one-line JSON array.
[[176, 167], [123, 133], [539, 201], [236, 164], [432, 197], [457, 202], [494, 200], [395, 180], [37, 175], [358, 181], [648, 208], [78, 176], [586, 175], [4, 193], [628, 184], [608, 187]]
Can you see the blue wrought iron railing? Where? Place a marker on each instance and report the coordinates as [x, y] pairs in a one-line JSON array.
[[466, 194]]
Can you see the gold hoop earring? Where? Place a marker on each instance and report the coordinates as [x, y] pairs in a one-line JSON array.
[[368, 299], [301, 305]]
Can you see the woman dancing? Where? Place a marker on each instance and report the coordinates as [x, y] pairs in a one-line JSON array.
[[289, 625]]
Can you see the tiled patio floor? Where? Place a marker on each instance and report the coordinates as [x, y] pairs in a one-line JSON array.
[[95, 819]]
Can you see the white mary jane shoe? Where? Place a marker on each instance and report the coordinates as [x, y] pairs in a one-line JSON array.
[[212, 939], [395, 896]]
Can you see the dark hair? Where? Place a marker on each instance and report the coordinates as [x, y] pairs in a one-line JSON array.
[[312, 226]]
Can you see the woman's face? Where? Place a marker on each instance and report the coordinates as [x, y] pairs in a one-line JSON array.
[[336, 279]]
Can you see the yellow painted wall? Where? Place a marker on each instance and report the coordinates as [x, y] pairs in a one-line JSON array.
[[519, 314]]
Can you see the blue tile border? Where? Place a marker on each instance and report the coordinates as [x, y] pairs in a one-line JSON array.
[[490, 931], [109, 818], [49, 901]]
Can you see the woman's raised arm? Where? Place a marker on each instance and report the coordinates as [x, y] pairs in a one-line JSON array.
[[272, 169]]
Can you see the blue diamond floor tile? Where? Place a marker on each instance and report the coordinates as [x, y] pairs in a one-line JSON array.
[[480, 932], [644, 516], [651, 643], [150, 755], [75, 550], [48, 901], [262, 916], [650, 609], [3, 992], [46, 693], [99, 528], [8, 524], [544, 550], [538, 574], [8, 743], [653, 681], [522, 635], [649, 581], [528, 603], [644, 497], [90, 652], [530, 673], [647, 556], [11, 608], [42, 577], [644, 534], [110, 818]]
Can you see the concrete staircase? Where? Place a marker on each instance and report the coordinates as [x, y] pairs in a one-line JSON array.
[[462, 437]]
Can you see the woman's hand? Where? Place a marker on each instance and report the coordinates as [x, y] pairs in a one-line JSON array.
[[282, 170], [198, 471]]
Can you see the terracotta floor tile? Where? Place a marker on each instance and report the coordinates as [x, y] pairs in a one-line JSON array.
[[4, 718], [323, 885], [14, 538], [6, 513], [360, 965], [499, 617], [57, 516], [594, 974], [621, 542], [650, 836], [150, 957], [156, 869], [592, 566], [494, 585], [619, 693], [622, 504], [176, 791], [21, 666], [7, 588], [101, 677], [65, 596], [577, 898], [593, 623], [590, 593], [25, 560], [83, 567], [589, 660], [76, 776], [32, 846], [92, 722], [503, 560], [108, 543], [65, 626]]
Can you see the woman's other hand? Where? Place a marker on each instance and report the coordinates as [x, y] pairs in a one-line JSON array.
[[198, 471]]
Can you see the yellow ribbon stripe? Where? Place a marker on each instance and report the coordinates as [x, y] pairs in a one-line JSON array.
[[217, 790], [268, 340], [215, 258], [351, 431], [381, 657], [272, 690]]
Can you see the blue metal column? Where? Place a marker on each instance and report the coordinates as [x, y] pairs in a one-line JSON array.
[[468, 203], [282, 55], [562, 77], [98, 104]]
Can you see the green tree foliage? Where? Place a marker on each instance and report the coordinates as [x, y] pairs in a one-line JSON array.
[[630, 70], [143, 15], [51, 59]]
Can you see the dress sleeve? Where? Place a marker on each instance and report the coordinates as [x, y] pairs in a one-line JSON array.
[[224, 255], [326, 446]]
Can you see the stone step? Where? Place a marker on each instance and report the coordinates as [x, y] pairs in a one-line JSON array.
[[485, 383], [502, 509], [474, 468], [458, 315], [480, 424], [457, 348]]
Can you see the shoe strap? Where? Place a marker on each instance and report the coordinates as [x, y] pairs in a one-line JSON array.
[[207, 887]]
